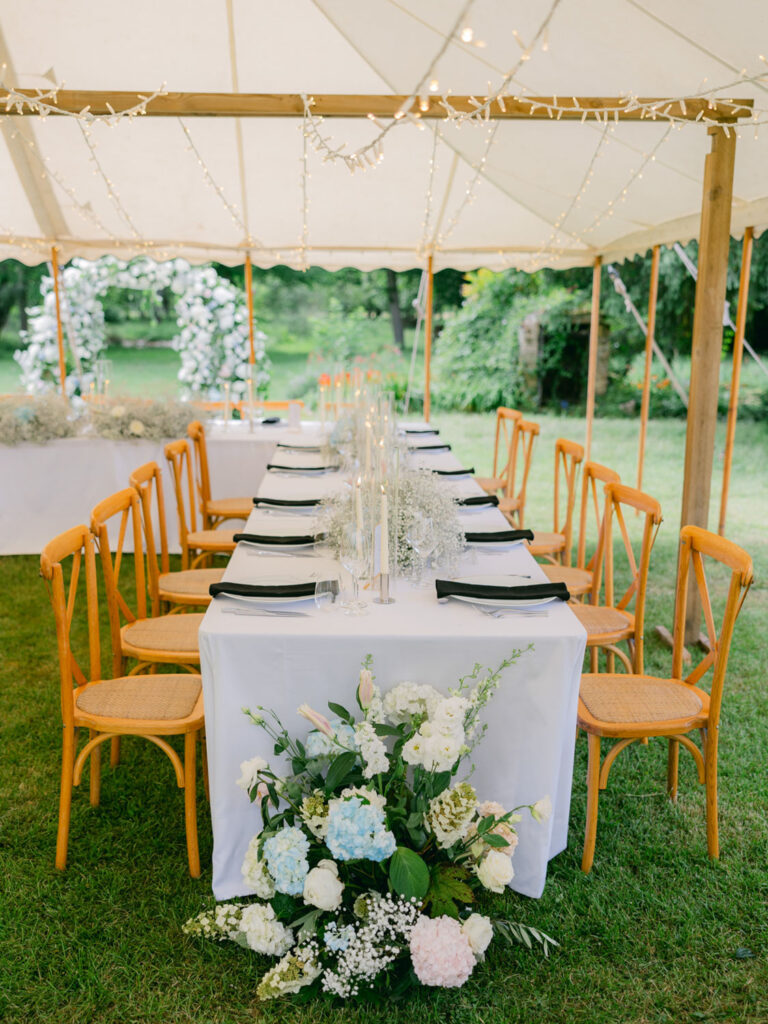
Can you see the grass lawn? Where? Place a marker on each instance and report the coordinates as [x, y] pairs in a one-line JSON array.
[[656, 933]]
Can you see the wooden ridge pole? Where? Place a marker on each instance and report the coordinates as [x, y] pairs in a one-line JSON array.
[[650, 337], [714, 238], [249, 300], [738, 352], [59, 327], [594, 333], [428, 339]]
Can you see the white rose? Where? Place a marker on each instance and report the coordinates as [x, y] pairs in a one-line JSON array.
[[117, 411], [136, 427], [542, 809], [322, 888], [479, 932], [495, 871], [250, 773]]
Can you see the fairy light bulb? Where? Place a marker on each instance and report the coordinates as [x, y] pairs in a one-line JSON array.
[[467, 34], [434, 85]]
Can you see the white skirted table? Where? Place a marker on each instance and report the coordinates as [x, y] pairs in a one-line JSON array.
[[282, 662]]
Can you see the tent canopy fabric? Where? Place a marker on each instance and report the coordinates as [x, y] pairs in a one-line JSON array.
[[517, 193]]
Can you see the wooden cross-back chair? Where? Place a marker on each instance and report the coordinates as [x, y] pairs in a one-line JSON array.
[[578, 578], [556, 546], [631, 708], [611, 622], [512, 503], [504, 447], [152, 706], [164, 639], [213, 511], [173, 591], [197, 546]]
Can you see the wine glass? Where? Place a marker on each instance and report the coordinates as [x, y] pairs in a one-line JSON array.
[[325, 594], [354, 553], [421, 537]]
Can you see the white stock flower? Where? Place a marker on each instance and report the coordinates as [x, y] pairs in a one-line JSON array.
[[542, 809], [479, 931], [322, 886], [250, 773], [495, 871], [449, 713], [372, 750], [263, 932]]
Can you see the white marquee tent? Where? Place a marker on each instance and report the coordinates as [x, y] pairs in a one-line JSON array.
[[520, 192]]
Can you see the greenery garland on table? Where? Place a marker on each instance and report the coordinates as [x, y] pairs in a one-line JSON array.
[[371, 855]]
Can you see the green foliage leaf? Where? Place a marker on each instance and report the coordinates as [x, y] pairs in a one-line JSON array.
[[286, 907], [485, 825], [340, 769], [447, 888], [493, 840], [408, 873], [387, 730], [341, 712], [515, 933]]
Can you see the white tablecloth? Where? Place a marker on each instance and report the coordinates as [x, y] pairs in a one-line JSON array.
[[280, 663], [48, 488]]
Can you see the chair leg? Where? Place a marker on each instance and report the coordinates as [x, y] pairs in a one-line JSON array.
[[65, 797], [610, 661], [95, 772], [713, 837], [593, 659], [190, 803], [673, 756], [593, 794], [114, 752]]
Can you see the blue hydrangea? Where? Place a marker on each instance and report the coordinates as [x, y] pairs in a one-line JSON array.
[[286, 857], [337, 939], [317, 744], [358, 831]]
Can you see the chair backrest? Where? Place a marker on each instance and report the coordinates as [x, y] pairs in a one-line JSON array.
[[593, 479], [524, 434], [196, 433], [148, 481], [504, 438], [76, 544], [179, 458], [617, 498], [126, 604], [568, 457], [697, 544]]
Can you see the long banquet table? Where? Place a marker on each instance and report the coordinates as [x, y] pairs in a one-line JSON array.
[[282, 662]]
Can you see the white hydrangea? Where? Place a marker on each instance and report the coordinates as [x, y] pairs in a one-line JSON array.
[[372, 750], [409, 700], [449, 714], [254, 872], [263, 932], [433, 750]]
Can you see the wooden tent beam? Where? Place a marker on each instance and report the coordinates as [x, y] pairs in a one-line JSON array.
[[738, 352], [594, 335], [241, 104], [714, 239], [59, 327], [650, 338], [428, 339]]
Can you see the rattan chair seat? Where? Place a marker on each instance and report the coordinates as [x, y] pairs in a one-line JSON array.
[[163, 698], [215, 540], [578, 581], [189, 582], [599, 619], [231, 507], [626, 699], [490, 484], [545, 543], [165, 633]]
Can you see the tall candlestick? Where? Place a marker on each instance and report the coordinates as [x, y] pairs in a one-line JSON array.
[[359, 514], [384, 567], [368, 442]]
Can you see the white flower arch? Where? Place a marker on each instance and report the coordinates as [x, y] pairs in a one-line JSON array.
[[211, 314]]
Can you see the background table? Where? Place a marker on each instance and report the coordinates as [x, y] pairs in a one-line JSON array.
[[280, 663]]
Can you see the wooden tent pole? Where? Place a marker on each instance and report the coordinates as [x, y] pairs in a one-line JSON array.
[[738, 352], [59, 326], [249, 300], [714, 238], [650, 337], [594, 332], [428, 339]]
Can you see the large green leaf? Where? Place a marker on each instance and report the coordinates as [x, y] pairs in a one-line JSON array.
[[447, 889], [339, 770], [408, 874]]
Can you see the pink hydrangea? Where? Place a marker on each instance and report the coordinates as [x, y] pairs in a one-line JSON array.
[[440, 952]]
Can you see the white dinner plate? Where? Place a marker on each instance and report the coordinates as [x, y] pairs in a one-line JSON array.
[[508, 579]]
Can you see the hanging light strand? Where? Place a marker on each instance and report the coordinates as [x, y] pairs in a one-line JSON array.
[[45, 102], [469, 192], [112, 192], [426, 222], [304, 199]]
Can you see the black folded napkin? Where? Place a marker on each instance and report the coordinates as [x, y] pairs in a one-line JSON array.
[[479, 500], [263, 590], [453, 588], [429, 448], [301, 469], [299, 447], [270, 421], [261, 538], [455, 472], [498, 536], [422, 430], [287, 502]]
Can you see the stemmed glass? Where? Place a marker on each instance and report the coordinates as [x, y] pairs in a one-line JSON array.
[[355, 550], [421, 537]]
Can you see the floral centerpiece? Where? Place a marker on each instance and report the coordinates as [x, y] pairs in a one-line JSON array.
[[134, 419], [371, 853]]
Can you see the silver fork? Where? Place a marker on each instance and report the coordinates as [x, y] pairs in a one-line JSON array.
[[501, 613], [269, 612]]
